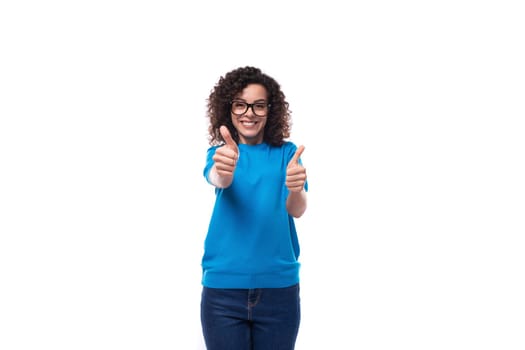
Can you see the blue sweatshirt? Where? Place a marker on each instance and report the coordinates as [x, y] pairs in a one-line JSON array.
[[251, 240]]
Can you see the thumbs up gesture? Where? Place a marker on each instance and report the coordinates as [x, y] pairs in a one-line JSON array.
[[295, 172], [226, 156]]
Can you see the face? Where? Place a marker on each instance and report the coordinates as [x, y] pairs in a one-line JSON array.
[[250, 125]]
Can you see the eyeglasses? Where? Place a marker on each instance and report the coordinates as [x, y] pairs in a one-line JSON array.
[[239, 108]]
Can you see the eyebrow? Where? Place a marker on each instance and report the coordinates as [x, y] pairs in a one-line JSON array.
[[243, 100]]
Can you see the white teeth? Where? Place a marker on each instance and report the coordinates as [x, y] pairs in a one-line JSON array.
[[248, 123]]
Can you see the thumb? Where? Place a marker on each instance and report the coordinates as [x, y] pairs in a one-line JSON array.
[[225, 133], [296, 156]]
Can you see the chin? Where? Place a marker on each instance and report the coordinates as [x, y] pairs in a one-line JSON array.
[[249, 138]]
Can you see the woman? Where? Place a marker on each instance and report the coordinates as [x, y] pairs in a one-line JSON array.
[[250, 297]]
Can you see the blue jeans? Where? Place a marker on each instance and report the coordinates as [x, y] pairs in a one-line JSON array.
[[250, 319]]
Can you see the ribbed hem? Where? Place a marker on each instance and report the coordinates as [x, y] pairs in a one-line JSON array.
[[283, 279]]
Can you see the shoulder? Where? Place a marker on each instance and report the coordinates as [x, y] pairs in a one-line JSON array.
[[289, 145], [212, 149], [289, 148], [211, 152]]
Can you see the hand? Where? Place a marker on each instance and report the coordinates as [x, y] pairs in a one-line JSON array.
[[295, 172], [226, 156]]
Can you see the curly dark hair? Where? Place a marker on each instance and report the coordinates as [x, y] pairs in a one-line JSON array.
[[278, 125]]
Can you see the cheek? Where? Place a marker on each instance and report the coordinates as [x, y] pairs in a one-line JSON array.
[[232, 118]]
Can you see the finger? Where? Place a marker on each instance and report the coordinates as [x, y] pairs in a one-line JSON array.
[[296, 170], [225, 161], [296, 156], [224, 169], [295, 182], [225, 133], [225, 154], [295, 187], [296, 177]]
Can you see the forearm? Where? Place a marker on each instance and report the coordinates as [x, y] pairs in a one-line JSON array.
[[296, 203], [220, 181]]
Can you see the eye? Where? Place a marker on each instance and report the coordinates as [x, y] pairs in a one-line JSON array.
[[238, 104], [260, 106]]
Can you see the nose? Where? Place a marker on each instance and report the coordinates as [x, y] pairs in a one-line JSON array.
[[249, 112]]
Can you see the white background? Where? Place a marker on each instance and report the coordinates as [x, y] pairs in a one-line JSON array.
[[412, 117]]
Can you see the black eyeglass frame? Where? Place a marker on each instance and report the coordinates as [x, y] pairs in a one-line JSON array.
[[248, 106]]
